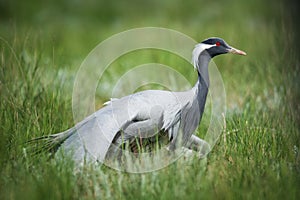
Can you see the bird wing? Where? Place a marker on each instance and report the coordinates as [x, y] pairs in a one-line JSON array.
[[92, 137], [156, 121], [142, 114], [154, 111], [159, 114]]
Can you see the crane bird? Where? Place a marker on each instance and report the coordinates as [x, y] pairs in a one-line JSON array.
[[144, 117]]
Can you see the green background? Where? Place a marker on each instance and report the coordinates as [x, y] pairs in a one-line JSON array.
[[42, 44]]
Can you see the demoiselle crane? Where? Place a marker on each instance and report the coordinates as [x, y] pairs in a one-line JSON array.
[[144, 117]]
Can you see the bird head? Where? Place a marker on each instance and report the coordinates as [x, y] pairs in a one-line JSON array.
[[214, 46]]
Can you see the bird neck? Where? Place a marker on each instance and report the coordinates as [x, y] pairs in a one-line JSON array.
[[202, 84], [202, 69]]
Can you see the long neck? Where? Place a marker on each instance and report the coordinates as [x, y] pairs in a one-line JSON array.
[[192, 117], [202, 68], [202, 84]]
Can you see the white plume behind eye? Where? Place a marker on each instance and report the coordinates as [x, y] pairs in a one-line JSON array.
[[198, 50]]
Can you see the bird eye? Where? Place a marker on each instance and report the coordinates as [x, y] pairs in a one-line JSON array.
[[218, 44]]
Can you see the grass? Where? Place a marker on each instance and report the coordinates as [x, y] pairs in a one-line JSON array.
[[256, 157]]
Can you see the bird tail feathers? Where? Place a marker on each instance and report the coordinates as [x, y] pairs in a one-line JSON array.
[[47, 144]]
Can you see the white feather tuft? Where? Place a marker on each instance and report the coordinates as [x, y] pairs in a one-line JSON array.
[[198, 50]]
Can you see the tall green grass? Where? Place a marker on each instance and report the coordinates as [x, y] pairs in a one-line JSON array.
[[256, 157]]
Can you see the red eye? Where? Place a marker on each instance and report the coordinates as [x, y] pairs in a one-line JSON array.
[[218, 44]]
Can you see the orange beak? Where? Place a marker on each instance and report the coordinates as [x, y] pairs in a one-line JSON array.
[[236, 51]]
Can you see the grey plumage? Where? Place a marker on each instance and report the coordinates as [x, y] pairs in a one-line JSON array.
[[147, 115]]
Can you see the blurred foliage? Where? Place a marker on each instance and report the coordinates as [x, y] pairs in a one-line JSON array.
[[42, 44]]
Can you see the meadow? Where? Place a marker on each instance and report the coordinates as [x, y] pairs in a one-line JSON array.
[[42, 46]]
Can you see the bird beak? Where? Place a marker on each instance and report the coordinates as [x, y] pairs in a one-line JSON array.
[[236, 51]]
